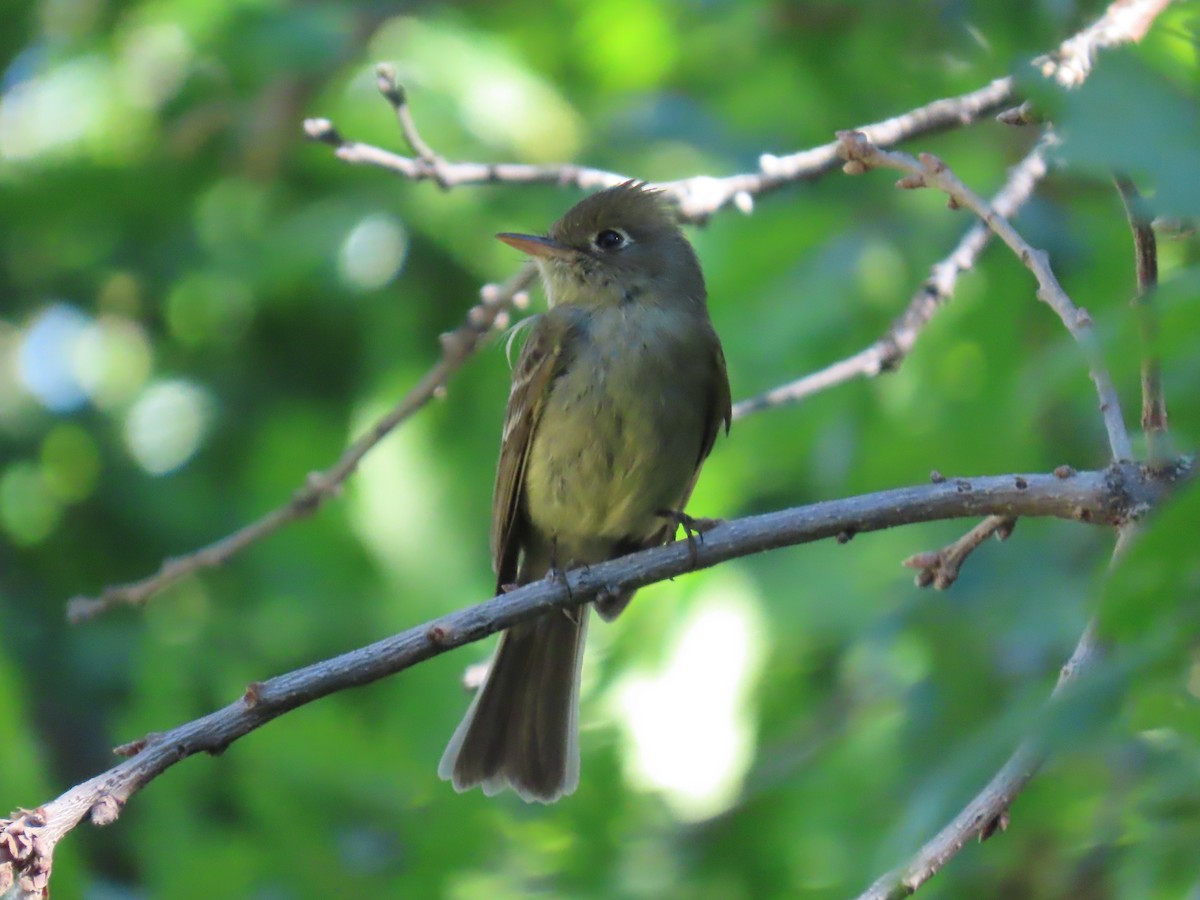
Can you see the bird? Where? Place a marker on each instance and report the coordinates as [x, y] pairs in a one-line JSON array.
[[617, 398]]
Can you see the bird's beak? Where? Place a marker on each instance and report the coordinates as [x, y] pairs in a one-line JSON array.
[[536, 246]]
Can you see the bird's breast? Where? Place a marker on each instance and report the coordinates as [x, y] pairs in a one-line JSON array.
[[620, 435]]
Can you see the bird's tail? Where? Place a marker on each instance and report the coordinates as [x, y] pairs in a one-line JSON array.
[[522, 730]]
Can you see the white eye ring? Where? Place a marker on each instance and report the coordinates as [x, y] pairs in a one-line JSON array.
[[611, 239]]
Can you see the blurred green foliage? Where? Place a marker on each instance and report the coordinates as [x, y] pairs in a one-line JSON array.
[[198, 308]]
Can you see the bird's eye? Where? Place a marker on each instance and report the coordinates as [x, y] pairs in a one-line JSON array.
[[610, 239]]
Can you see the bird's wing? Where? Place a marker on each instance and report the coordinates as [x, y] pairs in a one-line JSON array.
[[543, 358], [720, 405], [718, 413]]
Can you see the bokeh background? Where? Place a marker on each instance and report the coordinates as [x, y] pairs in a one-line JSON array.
[[198, 307]]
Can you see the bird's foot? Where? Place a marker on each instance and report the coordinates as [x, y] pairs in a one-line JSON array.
[[693, 528]]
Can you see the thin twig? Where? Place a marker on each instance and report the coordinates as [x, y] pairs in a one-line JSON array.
[[988, 811], [929, 171], [1123, 21], [394, 93], [1145, 247], [457, 347], [940, 567], [887, 353], [1110, 496], [701, 196], [698, 197]]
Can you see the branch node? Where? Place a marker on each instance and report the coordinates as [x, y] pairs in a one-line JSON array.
[[385, 80], [1064, 472], [932, 163], [994, 825], [252, 695], [105, 810], [926, 559], [1025, 114], [480, 317], [133, 748], [490, 294], [322, 130], [936, 477], [854, 146]]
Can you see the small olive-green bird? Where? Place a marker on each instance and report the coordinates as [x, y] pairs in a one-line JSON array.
[[616, 400]]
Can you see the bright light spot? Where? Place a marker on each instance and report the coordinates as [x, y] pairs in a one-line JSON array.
[[493, 106], [401, 484], [166, 424], [154, 61], [111, 360], [373, 252], [44, 362], [502, 100], [690, 726], [28, 510], [54, 110], [636, 54]]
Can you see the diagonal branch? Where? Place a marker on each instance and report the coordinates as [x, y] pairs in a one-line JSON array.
[[1123, 21], [887, 353], [988, 811], [1145, 247], [929, 171], [1069, 65], [1112, 496], [457, 347], [699, 197]]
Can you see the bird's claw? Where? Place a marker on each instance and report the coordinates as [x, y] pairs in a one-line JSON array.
[[693, 528]]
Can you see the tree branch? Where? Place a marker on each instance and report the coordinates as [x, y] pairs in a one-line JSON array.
[[457, 347], [887, 353], [1145, 247], [987, 813], [1113, 496], [929, 171], [1069, 65], [698, 197], [940, 568], [1123, 21]]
